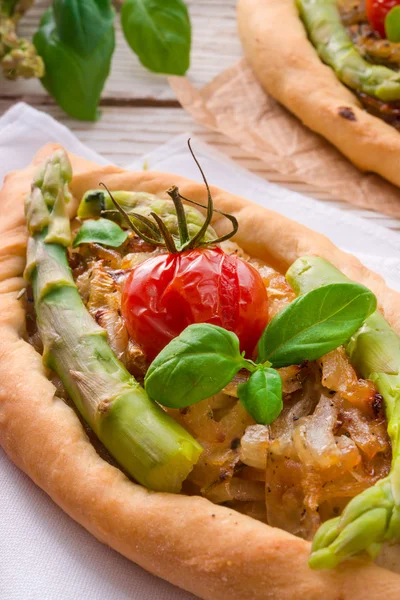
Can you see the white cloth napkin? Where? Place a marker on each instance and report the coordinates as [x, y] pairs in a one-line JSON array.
[[44, 554]]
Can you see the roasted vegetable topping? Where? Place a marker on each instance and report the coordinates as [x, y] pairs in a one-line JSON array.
[[372, 46], [375, 49], [328, 444], [256, 469], [334, 46], [378, 15], [358, 50]]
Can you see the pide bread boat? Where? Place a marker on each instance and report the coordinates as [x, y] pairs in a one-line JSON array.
[[203, 384], [335, 65]]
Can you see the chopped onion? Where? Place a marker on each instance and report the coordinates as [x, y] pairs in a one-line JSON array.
[[280, 294], [339, 376], [370, 436], [254, 446], [315, 441]]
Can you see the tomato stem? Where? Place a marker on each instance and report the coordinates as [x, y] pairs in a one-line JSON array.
[[150, 240], [159, 235], [173, 192], [146, 222], [168, 239], [210, 207], [232, 219]]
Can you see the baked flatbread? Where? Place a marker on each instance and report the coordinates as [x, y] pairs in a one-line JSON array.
[[209, 550], [287, 65]]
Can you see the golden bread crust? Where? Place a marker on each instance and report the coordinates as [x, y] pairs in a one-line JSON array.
[[288, 67], [209, 550]]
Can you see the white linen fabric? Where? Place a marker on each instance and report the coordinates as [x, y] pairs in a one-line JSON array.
[[44, 554]]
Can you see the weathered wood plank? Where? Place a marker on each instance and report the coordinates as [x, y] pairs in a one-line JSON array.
[[215, 47], [126, 133]]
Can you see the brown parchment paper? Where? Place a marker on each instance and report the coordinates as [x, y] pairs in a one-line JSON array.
[[235, 104]]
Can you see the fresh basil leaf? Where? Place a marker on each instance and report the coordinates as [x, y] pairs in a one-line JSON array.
[[159, 32], [392, 24], [82, 25], [197, 364], [315, 323], [74, 81], [261, 395], [100, 231]]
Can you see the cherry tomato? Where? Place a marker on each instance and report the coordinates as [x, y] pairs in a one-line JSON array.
[[377, 11], [168, 292]]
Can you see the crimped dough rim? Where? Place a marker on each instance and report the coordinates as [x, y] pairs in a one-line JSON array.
[[288, 67], [209, 550]]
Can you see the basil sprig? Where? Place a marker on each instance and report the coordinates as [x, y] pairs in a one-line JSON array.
[[195, 365], [159, 32], [200, 362], [100, 231], [76, 41], [315, 323], [204, 358]]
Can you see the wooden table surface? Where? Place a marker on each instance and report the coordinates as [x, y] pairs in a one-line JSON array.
[[139, 109]]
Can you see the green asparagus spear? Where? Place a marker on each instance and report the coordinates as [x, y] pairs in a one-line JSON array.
[[372, 517], [148, 444], [334, 46]]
